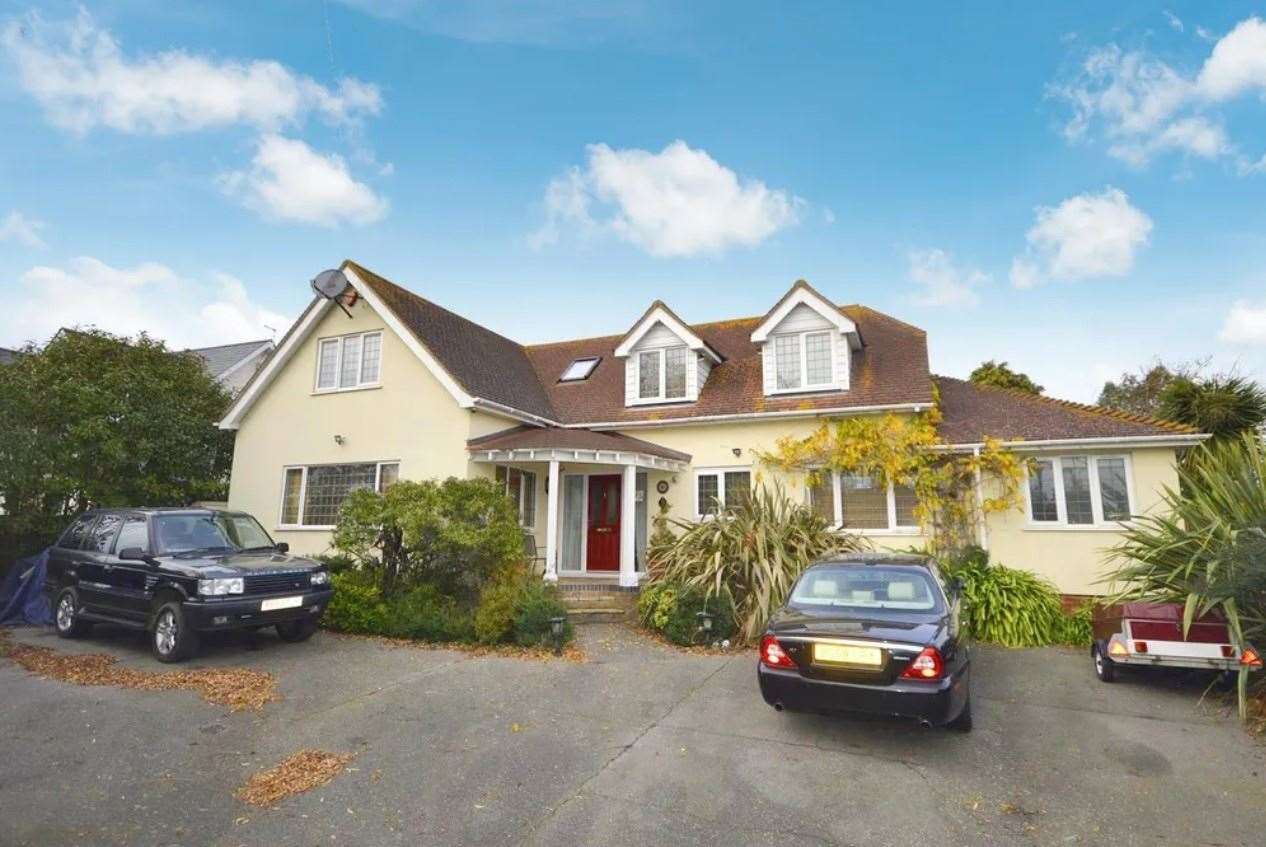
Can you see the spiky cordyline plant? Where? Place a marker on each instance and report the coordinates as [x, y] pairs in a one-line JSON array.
[[1206, 547], [753, 551]]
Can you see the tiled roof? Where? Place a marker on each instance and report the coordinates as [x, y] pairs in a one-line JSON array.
[[219, 359], [529, 438], [970, 412], [892, 369], [8, 356], [486, 364]]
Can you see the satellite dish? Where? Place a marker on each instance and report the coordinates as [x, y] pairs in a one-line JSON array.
[[330, 284]]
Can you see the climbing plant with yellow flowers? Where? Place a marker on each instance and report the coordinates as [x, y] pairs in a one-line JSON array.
[[904, 450]]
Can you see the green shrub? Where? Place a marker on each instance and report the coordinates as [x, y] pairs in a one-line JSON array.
[[1076, 629], [1007, 606], [672, 610], [753, 553], [424, 614], [494, 616], [336, 563], [536, 603], [357, 605]]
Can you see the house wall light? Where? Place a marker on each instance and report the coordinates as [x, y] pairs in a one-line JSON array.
[[338, 439]]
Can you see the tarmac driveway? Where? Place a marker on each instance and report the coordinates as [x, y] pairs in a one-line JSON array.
[[640, 745]]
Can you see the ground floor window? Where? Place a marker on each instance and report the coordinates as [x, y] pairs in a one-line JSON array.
[[313, 494], [520, 486], [860, 502], [720, 488], [1079, 490]]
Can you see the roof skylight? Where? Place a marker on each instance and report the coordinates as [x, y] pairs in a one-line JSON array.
[[580, 369]]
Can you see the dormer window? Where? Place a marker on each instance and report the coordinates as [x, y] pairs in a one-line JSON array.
[[580, 369], [661, 374], [804, 361]]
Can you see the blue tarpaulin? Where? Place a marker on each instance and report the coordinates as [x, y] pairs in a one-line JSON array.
[[22, 599]]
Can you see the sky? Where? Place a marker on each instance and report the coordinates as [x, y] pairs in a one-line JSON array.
[[1074, 188]]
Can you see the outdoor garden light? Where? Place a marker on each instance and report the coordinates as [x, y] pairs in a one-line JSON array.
[[556, 627], [705, 622]]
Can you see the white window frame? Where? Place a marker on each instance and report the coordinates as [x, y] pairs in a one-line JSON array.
[[719, 473], [805, 387], [536, 501], [338, 363], [303, 492], [591, 361], [1061, 524], [837, 490], [660, 397]]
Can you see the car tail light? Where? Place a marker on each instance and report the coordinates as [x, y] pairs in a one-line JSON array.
[[1116, 648], [1250, 658], [1140, 646], [1228, 652], [926, 666], [772, 654]]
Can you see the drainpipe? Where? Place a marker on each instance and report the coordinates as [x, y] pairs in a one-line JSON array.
[[982, 527]]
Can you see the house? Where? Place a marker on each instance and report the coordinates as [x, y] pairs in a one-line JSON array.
[[233, 365], [8, 356], [591, 436]]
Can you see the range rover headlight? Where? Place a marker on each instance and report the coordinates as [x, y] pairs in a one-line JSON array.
[[320, 577], [220, 587]]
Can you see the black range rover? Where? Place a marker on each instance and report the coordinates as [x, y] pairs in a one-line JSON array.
[[177, 572]]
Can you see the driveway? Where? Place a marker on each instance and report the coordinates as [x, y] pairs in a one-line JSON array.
[[640, 745]]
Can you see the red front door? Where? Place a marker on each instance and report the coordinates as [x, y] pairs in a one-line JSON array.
[[604, 523]]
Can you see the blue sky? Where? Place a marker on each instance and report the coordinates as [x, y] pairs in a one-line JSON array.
[[1076, 188]]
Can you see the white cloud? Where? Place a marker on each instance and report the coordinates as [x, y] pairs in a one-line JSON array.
[[1245, 323], [1089, 235], [290, 181], [18, 227], [1175, 22], [941, 281], [1142, 106], [678, 202], [149, 297], [82, 79]]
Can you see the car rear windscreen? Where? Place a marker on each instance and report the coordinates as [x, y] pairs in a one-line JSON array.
[[867, 587]]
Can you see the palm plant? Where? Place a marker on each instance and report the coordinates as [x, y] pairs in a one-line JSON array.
[[1223, 406], [1206, 548], [752, 551]]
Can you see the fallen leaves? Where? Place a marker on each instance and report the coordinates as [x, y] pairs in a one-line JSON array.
[[300, 772], [571, 652], [237, 688]]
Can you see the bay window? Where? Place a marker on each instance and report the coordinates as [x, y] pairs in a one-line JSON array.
[[1079, 491], [349, 361], [863, 503], [313, 494]]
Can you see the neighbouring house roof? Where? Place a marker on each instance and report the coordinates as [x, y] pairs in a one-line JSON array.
[[487, 365], [222, 359], [890, 370], [547, 438], [970, 412], [8, 356]]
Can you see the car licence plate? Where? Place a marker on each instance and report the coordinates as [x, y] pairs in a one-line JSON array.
[[847, 654], [276, 603]]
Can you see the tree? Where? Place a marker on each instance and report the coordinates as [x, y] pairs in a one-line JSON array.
[[95, 419], [1000, 375], [452, 534], [1140, 392], [1222, 405]]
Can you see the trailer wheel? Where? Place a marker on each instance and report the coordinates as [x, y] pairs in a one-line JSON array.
[[1105, 668]]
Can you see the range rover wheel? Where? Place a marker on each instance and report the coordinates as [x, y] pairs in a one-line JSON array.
[[1105, 668], [66, 615], [294, 631], [171, 639]]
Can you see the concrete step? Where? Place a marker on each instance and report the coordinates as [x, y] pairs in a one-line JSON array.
[[597, 615]]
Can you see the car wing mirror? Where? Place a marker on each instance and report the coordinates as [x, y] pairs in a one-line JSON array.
[[136, 554], [283, 547]]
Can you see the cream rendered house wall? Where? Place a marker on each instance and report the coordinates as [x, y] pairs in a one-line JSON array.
[[409, 418], [1073, 558]]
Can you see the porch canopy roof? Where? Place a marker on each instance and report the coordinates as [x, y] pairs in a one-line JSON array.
[[542, 444]]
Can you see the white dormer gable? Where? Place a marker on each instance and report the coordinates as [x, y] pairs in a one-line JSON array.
[[806, 344], [665, 361]]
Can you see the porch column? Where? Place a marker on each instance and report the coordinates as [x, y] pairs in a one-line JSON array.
[[551, 524], [628, 529]]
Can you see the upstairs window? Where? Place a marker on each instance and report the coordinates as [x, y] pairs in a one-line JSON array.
[[803, 361], [349, 361], [580, 369], [661, 374], [1079, 491]]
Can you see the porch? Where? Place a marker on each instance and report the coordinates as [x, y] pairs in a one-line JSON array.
[[597, 496]]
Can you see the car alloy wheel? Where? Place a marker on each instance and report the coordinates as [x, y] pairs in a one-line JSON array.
[[66, 612], [166, 632]]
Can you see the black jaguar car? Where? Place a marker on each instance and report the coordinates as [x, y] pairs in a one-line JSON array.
[[176, 573], [871, 634]]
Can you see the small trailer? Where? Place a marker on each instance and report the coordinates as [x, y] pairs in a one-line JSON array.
[[1150, 635]]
